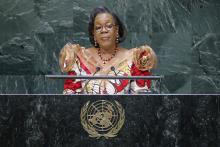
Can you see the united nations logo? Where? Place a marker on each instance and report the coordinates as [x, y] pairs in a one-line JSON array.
[[102, 118]]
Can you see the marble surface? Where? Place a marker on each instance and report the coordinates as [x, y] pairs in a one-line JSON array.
[[185, 35], [155, 120]]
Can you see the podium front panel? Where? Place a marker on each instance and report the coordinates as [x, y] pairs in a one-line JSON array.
[[149, 120]]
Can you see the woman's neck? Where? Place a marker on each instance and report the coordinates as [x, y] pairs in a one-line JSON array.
[[108, 49]]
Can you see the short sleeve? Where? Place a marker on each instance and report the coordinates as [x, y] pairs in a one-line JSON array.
[[67, 60], [144, 58], [67, 56]]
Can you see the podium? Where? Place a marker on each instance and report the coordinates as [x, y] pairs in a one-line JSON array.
[[150, 120], [144, 120]]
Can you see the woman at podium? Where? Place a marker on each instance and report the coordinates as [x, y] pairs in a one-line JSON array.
[[107, 58]]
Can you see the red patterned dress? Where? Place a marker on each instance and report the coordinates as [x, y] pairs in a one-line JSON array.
[[136, 62]]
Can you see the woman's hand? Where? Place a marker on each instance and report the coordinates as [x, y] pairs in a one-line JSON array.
[[144, 58], [67, 57]]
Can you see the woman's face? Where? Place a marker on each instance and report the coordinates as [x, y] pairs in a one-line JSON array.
[[105, 30]]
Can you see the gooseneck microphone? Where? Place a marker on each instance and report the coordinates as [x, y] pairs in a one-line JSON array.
[[97, 70], [113, 69]]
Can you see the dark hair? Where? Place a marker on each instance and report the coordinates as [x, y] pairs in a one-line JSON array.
[[99, 10]]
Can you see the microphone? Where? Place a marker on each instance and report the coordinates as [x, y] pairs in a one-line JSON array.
[[113, 69], [97, 70]]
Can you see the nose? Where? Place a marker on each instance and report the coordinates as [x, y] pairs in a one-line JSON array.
[[104, 29]]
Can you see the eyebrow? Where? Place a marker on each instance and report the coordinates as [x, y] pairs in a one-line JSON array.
[[104, 23]]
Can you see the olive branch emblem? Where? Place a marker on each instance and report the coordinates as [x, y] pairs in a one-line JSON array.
[[106, 121]]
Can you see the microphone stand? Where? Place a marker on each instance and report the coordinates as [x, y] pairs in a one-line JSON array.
[[113, 69]]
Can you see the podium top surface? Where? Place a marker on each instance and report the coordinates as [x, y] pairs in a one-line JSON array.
[[103, 77]]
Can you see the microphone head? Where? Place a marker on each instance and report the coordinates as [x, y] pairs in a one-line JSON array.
[[98, 69], [113, 68]]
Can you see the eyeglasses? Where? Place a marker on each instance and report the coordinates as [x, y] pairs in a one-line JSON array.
[[107, 27]]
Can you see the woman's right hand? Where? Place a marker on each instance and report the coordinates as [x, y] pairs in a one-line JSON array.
[[67, 57]]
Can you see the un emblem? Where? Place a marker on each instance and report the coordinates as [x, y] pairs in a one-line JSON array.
[[102, 118]]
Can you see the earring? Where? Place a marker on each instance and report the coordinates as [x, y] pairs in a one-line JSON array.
[[117, 38], [95, 43]]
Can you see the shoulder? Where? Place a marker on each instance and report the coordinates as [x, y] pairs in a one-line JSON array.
[[123, 51], [143, 47], [144, 57], [91, 49], [143, 50], [72, 47]]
